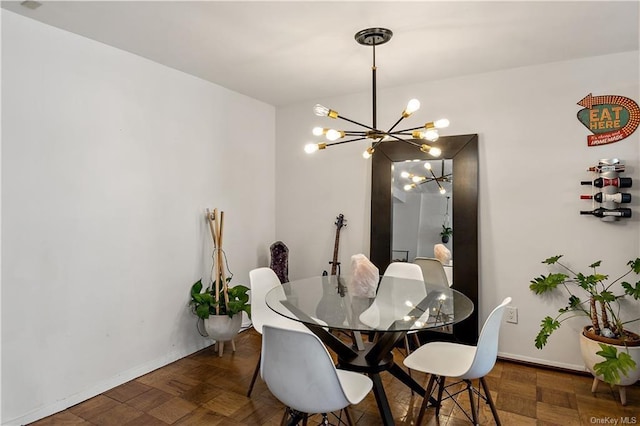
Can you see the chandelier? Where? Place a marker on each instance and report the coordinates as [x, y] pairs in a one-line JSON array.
[[415, 136], [420, 180]]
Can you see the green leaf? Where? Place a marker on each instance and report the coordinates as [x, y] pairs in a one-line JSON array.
[[547, 326], [631, 290], [552, 260], [595, 264], [196, 287], [613, 364], [574, 302], [635, 265], [202, 311], [542, 284], [605, 296]]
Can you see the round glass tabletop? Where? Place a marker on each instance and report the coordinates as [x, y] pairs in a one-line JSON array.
[[397, 304]]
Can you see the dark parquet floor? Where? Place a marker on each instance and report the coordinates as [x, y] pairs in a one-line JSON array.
[[204, 389]]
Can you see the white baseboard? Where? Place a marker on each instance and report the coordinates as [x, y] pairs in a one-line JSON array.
[[541, 362], [107, 384]]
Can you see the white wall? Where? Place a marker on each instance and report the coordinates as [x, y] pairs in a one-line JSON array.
[[406, 225], [108, 164], [533, 155], [433, 208]]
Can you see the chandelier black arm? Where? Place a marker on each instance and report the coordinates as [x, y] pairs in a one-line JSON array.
[[377, 142], [409, 141], [396, 123], [359, 124], [436, 179], [409, 130], [347, 141]]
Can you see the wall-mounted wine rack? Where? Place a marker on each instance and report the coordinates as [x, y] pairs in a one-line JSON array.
[[606, 184]]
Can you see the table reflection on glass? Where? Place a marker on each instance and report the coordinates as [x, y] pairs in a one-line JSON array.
[[400, 305]]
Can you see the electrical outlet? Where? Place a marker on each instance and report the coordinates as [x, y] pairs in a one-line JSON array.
[[511, 314]]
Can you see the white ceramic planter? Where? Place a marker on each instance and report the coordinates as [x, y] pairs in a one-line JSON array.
[[589, 347], [223, 328]]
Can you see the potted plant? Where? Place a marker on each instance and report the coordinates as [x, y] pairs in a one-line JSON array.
[[446, 232], [220, 305], [610, 352], [220, 313]]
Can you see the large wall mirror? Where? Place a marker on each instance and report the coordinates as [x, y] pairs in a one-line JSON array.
[[462, 150]]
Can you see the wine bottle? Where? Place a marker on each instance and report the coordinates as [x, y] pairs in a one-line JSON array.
[[600, 212], [623, 182], [618, 197], [601, 168]]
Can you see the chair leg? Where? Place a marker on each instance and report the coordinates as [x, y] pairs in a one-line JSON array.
[[255, 376], [347, 415], [490, 401], [408, 351], [474, 411], [441, 379], [283, 422], [416, 340], [425, 400]]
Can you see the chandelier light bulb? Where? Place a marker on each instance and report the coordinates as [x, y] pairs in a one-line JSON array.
[[310, 148], [368, 153], [435, 151], [317, 131], [320, 110], [443, 191], [333, 134], [427, 166], [409, 187], [431, 135], [412, 107], [405, 174], [441, 124], [417, 179]]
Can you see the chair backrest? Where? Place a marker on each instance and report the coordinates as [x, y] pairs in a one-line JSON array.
[[404, 270], [261, 280], [432, 271], [299, 371], [487, 348]]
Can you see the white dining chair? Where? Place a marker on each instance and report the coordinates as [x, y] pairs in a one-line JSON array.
[[432, 271], [300, 373], [261, 281], [462, 362], [409, 271], [406, 270]]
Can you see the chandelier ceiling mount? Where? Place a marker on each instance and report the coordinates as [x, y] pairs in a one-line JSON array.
[[415, 136]]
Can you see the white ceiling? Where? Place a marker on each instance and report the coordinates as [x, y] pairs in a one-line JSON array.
[[286, 52]]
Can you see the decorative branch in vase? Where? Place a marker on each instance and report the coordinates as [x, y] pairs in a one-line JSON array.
[[220, 305]]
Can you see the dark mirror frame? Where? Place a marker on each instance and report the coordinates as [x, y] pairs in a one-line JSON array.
[[463, 150]]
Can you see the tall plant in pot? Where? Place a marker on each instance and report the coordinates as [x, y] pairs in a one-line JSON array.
[[609, 350], [220, 305]]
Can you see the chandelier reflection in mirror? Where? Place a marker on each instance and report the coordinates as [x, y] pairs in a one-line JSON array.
[[420, 180], [415, 136]]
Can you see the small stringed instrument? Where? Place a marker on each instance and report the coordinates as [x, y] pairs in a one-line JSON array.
[[335, 265]]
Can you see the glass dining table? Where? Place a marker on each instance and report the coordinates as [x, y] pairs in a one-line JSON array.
[[330, 304]]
